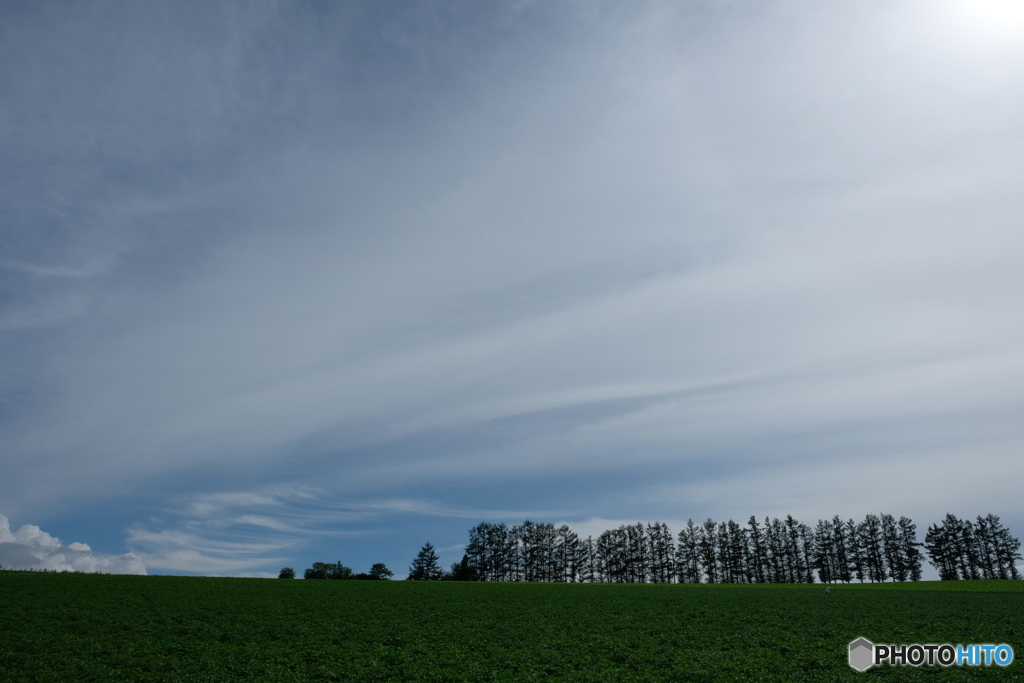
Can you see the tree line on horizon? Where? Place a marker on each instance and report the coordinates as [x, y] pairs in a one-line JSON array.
[[339, 572], [961, 550], [44, 570], [876, 549]]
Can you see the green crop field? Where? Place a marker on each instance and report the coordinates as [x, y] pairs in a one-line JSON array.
[[79, 627]]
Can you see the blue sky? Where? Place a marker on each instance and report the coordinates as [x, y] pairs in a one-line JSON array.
[[292, 282]]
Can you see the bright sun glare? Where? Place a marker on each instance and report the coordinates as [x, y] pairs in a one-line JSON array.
[[1003, 18], [979, 27]]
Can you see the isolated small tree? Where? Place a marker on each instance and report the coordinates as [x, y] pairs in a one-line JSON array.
[[287, 573], [425, 567], [380, 572]]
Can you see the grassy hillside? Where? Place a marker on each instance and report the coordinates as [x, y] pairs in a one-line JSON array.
[[76, 627]]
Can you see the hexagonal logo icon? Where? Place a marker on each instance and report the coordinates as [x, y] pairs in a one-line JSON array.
[[862, 654]]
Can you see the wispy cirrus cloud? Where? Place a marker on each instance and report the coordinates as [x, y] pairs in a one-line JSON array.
[[517, 260], [254, 533]]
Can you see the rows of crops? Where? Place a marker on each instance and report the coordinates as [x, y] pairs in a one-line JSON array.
[[64, 627]]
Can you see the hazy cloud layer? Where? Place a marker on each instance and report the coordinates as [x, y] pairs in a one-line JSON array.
[[655, 262]]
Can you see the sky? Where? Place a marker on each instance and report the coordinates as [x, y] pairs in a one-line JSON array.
[[286, 282]]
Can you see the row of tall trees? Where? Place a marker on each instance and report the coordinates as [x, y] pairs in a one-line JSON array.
[[876, 549], [982, 550]]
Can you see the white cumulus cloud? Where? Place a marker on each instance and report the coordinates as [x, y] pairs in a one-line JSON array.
[[32, 548]]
